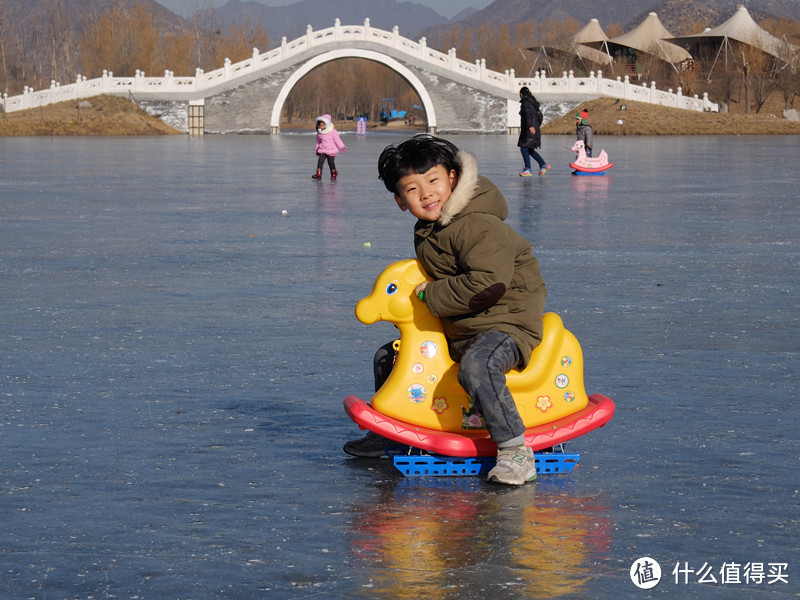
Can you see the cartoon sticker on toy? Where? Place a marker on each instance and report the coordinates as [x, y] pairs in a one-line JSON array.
[[569, 396], [433, 378], [416, 393], [418, 368], [562, 381], [428, 349], [566, 361]]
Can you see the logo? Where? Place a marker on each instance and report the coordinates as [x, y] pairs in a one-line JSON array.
[[645, 573]]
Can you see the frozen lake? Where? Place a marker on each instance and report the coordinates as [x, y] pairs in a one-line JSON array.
[[175, 352]]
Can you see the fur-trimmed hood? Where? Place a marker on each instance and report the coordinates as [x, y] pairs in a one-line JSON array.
[[328, 123], [473, 193]]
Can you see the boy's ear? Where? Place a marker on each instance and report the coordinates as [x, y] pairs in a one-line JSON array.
[[400, 202]]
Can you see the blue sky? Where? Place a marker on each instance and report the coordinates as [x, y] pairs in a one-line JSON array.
[[446, 8]]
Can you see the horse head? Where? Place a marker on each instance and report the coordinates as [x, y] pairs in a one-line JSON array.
[[578, 147], [392, 297]]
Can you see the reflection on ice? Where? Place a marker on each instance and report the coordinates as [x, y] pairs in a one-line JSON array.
[[454, 538]]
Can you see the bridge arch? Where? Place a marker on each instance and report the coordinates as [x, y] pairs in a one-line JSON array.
[[245, 96], [325, 57]]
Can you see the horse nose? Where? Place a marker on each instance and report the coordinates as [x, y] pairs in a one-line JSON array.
[[365, 311]]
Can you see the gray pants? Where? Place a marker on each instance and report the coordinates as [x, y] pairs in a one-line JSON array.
[[484, 361]]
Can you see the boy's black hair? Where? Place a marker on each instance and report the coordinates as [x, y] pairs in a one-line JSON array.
[[416, 155]]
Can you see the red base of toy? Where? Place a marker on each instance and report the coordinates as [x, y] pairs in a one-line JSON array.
[[596, 414], [605, 167]]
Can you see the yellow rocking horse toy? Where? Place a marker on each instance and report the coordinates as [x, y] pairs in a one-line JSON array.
[[422, 405]]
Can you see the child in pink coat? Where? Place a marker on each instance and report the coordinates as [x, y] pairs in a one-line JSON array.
[[328, 145]]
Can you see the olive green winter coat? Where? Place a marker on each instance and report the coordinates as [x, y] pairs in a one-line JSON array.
[[485, 274]]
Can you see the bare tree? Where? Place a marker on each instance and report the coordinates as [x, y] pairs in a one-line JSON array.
[[3, 33], [122, 41], [787, 68], [347, 88], [61, 44]]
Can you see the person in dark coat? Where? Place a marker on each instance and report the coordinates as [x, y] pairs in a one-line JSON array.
[[530, 136]]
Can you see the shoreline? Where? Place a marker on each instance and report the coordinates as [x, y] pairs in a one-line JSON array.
[[638, 118], [114, 116]]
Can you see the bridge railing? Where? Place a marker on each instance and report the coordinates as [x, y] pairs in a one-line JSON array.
[[622, 88], [201, 84]]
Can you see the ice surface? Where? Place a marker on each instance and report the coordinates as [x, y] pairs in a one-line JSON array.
[[175, 352]]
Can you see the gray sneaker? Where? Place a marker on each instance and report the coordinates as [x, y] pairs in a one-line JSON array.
[[515, 466], [372, 445]]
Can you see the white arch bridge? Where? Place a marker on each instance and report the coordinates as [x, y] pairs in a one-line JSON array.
[[248, 96]]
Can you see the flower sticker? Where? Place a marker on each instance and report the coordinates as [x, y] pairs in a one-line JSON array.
[[439, 405], [475, 421], [543, 403], [470, 417]]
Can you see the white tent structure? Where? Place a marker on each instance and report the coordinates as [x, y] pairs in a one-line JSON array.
[[649, 37], [729, 42], [577, 46], [740, 27], [743, 29], [592, 33]]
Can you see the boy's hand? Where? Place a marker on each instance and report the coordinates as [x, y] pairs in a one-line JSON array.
[[419, 291]]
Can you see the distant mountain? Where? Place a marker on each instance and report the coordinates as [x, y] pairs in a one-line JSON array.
[[291, 21], [672, 13], [414, 20], [517, 11], [762, 8], [39, 14], [680, 15], [464, 14]]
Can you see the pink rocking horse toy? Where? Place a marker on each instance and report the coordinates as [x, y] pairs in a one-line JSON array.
[[583, 165]]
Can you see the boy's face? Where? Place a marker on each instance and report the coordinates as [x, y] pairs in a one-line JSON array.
[[424, 195]]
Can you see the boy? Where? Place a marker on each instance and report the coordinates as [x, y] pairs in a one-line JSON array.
[[487, 289], [583, 131]]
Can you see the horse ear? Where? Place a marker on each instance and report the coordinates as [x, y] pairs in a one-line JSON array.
[[413, 273]]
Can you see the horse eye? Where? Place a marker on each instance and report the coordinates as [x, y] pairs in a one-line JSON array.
[[391, 289]]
